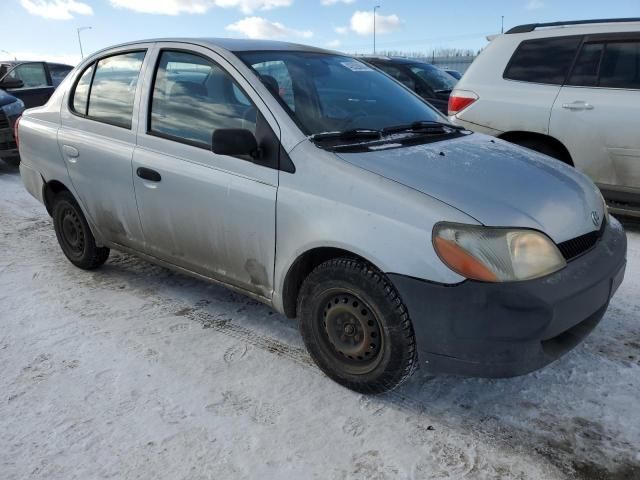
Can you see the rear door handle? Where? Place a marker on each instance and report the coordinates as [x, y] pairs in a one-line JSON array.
[[579, 105], [71, 153], [148, 174]]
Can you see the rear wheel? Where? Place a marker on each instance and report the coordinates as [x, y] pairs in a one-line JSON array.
[[355, 326], [545, 147], [74, 236]]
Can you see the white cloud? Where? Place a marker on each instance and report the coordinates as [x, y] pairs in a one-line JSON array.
[[534, 4], [333, 2], [165, 7], [258, 27], [176, 7], [362, 23], [250, 6], [341, 30], [56, 9], [334, 43]]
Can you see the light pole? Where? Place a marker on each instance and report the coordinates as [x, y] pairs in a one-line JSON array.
[[374, 28], [502, 25], [79, 29]]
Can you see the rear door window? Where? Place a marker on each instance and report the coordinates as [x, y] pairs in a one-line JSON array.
[[114, 87], [544, 60], [81, 91], [585, 71], [621, 65]]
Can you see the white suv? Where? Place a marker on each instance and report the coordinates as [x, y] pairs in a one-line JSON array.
[[567, 89]]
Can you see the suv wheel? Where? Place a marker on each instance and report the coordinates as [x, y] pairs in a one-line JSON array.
[[356, 327], [74, 236], [542, 147]]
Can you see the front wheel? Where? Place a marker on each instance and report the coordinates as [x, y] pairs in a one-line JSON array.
[[356, 327], [74, 235]]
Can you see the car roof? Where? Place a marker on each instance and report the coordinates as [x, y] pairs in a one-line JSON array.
[[561, 29], [530, 27], [232, 44]]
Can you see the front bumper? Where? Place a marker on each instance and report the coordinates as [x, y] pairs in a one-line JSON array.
[[507, 329]]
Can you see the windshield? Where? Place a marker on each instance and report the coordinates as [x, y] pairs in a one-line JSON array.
[[329, 93], [437, 79]]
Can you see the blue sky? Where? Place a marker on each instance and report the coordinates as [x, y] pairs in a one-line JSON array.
[[47, 28]]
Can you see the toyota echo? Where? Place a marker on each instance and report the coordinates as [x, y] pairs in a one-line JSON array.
[[319, 185]]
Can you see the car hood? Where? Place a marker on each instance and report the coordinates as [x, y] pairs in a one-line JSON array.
[[495, 182], [5, 98]]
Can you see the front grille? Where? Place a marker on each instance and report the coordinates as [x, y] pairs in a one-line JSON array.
[[4, 121], [577, 246]]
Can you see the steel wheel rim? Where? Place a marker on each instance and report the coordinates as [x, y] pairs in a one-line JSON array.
[[72, 232], [351, 332]]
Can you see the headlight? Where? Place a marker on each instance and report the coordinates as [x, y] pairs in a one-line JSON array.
[[14, 109], [496, 254]]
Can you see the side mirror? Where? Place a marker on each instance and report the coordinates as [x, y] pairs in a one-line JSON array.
[[11, 83], [235, 142]]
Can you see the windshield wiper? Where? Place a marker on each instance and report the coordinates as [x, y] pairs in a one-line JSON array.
[[422, 126], [353, 134]]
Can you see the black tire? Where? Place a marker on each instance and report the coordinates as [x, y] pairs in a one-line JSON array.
[[74, 235], [355, 326], [542, 147]]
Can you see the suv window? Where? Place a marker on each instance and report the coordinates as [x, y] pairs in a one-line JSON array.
[[621, 65], [585, 71], [544, 60], [192, 97], [113, 88], [31, 74]]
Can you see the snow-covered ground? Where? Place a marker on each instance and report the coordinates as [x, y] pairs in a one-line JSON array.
[[133, 371]]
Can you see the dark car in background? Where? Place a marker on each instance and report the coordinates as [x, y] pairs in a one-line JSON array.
[[454, 73], [32, 82], [24, 85], [10, 109], [428, 81]]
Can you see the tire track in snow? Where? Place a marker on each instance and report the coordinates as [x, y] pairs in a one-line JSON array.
[[222, 323]]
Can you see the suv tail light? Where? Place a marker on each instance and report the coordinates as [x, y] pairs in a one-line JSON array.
[[15, 131], [461, 99]]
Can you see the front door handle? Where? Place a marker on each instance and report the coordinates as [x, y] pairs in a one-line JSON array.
[[148, 174], [576, 106]]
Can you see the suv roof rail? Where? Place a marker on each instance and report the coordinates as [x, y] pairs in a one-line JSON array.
[[530, 27]]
